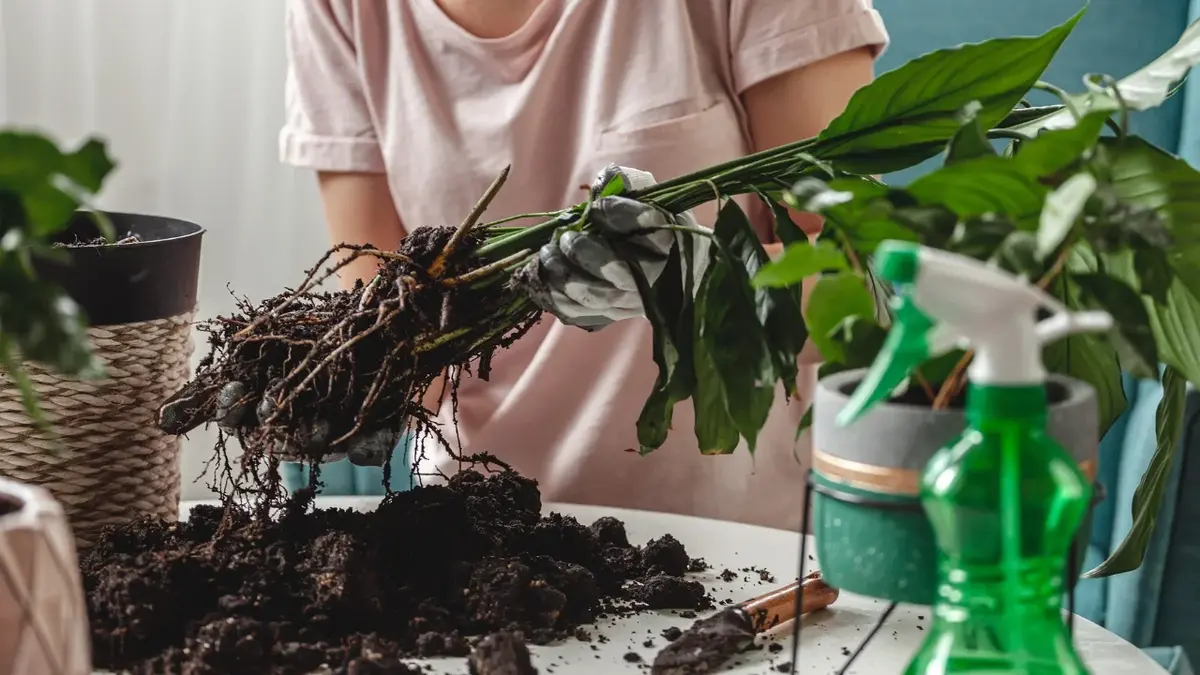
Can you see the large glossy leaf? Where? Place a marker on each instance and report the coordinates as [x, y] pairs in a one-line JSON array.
[[981, 186], [1175, 323], [917, 105], [777, 309], [732, 352], [1147, 88], [1144, 175], [715, 430], [1147, 499]]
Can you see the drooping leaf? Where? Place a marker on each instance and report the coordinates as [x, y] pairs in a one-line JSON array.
[[1147, 498], [799, 261], [732, 351], [984, 185], [916, 106], [665, 305], [778, 309], [1133, 335], [1146, 88], [715, 430], [834, 299], [1062, 209], [786, 229], [970, 141]]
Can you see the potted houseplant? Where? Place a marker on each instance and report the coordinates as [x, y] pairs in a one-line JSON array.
[[1073, 202], [95, 327], [42, 611]]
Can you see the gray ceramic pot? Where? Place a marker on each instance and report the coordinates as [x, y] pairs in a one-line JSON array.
[[872, 535]]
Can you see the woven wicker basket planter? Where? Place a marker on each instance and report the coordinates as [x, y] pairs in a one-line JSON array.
[[111, 463], [43, 619]]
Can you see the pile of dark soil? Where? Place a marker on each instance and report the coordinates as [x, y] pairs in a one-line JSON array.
[[357, 592]]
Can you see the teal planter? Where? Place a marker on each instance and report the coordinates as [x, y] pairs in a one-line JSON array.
[[341, 478], [872, 536]]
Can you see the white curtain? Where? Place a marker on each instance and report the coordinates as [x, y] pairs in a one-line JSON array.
[[189, 94]]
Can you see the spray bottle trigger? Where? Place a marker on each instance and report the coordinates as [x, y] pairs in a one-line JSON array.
[[907, 347], [1066, 322]]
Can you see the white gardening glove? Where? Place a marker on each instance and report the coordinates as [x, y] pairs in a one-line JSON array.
[[578, 276], [238, 409]]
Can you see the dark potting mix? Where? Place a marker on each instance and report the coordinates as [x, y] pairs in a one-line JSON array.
[[426, 574]]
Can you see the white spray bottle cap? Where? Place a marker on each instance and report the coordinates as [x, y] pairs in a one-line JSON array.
[[944, 301]]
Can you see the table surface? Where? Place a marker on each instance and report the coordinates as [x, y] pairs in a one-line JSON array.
[[826, 636]]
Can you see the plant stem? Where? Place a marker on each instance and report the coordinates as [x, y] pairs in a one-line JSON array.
[[487, 270], [439, 263]]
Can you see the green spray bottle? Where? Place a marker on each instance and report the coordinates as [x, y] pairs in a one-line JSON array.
[[1004, 499]]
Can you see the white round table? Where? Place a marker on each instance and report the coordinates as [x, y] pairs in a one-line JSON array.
[[826, 639]]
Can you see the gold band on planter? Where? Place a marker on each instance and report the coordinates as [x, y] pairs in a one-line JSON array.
[[889, 480]]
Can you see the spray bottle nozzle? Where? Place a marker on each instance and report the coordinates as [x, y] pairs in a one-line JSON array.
[[945, 300]]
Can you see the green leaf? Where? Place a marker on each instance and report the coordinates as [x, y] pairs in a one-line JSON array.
[[1143, 175], [1062, 208], [934, 225], [916, 106], [970, 141], [834, 299], [1154, 271], [859, 339], [1175, 323], [1133, 336], [799, 261], [1027, 114], [668, 309], [88, 166], [1147, 499], [1057, 149], [981, 237], [985, 185], [27, 160], [777, 309], [805, 421], [716, 429], [614, 186], [786, 229]]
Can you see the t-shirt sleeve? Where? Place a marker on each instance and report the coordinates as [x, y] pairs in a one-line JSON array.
[[328, 125], [771, 37]]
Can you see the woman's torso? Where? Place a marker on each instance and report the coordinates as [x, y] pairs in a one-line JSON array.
[[582, 84]]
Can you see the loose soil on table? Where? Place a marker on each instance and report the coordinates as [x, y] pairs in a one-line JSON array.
[[346, 592]]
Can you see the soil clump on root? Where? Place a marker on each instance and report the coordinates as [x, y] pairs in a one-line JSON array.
[[347, 592]]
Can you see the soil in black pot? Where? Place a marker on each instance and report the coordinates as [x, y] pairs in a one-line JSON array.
[[359, 592]]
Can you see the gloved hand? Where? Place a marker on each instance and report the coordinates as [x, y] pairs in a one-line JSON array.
[[578, 276], [239, 409]]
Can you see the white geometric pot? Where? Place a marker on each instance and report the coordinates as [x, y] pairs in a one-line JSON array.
[[43, 619]]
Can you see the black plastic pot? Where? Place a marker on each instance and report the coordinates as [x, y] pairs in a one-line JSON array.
[[153, 278]]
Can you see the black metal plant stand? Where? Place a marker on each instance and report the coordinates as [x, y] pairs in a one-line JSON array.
[[848, 498]]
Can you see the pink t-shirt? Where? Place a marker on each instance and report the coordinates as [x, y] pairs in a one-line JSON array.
[[396, 86]]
